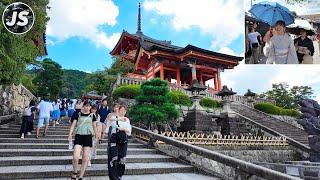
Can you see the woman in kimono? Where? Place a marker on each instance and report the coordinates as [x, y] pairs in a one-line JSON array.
[[305, 48], [279, 48]]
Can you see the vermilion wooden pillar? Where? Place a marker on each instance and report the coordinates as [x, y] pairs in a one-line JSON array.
[[215, 82], [161, 72], [178, 75]]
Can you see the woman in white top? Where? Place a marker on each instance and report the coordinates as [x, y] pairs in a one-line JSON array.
[[279, 48], [119, 130]]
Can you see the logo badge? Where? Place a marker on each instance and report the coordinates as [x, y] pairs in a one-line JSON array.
[[18, 18]]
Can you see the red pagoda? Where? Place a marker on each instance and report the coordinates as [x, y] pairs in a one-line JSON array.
[[181, 66]]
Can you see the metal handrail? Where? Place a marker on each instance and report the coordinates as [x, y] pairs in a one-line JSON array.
[[238, 164]]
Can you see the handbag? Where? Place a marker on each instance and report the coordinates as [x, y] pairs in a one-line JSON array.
[[307, 59], [121, 136]]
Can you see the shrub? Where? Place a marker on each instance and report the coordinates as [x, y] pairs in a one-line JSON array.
[[127, 91], [275, 110], [179, 98], [153, 105], [209, 103]]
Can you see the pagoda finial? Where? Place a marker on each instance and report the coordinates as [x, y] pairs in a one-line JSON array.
[[139, 20]]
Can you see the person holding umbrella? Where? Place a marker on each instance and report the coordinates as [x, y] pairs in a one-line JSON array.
[[305, 48], [279, 48]]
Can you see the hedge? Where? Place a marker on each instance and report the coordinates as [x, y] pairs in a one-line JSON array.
[[276, 110], [179, 98], [127, 91], [209, 103]]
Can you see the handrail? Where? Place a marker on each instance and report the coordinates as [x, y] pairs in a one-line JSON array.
[[238, 164], [5, 118]]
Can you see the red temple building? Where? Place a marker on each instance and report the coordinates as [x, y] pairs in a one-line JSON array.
[[179, 65]]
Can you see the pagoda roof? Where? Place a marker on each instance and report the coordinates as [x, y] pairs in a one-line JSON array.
[[150, 44]]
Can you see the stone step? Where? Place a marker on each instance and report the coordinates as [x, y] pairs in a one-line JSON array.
[[65, 152], [168, 176], [32, 139], [66, 160], [54, 145], [48, 133], [55, 171]]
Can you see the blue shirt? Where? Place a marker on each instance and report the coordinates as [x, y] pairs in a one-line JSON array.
[[103, 112]]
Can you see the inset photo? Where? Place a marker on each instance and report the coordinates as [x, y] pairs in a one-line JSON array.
[[282, 32]]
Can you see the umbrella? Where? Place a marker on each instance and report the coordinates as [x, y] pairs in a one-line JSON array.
[[271, 12], [301, 24]]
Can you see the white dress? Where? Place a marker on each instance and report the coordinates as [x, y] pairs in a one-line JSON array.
[[280, 50]]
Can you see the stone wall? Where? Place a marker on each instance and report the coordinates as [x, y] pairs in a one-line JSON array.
[[226, 172], [14, 98]]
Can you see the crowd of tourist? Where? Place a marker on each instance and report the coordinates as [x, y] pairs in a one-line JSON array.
[[90, 122]]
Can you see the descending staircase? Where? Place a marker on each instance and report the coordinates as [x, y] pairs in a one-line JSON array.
[[274, 124], [48, 157]]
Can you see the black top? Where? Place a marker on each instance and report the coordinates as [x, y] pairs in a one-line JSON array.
[[305, 43], [75, 116]]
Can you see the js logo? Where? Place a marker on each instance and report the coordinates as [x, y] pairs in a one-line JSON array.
[[18, 18]]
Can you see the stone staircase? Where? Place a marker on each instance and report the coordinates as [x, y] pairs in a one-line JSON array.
[[49, 157], [272, 123]]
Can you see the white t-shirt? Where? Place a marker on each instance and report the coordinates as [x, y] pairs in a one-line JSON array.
[[44, 109], [253, 37], [55, 106]]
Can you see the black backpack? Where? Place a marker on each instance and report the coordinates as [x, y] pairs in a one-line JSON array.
[[121, 136]]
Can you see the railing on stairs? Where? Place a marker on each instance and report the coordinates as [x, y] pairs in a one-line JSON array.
[[226, 140], [236, 164]]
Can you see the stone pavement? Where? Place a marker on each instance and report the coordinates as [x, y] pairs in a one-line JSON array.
[[49, 157]]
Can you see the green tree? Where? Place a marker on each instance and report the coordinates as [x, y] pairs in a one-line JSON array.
[[286, 97], [17, 51], [153, 106], [119, 66], [49, 79]]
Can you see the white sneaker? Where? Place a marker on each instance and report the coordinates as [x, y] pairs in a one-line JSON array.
[[22, 136], [89, 163], [29, 133]]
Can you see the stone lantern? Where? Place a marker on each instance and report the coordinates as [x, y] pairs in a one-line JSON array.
[[250, 96], [225, 94]]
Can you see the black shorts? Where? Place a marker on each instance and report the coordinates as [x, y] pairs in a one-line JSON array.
[[83, 140]]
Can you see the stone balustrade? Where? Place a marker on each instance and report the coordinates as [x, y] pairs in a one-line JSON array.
[[219, 140], [221, 165]]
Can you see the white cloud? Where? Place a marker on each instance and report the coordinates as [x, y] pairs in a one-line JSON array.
[[83, 18], [226, 50], [221, 19]]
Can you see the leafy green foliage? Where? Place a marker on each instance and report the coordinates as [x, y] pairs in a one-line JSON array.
[[74, 83], [121, 67], [209, 103], [17, 51], [49, 79], [288, 97], [276, 110], [99, 81], [153, 104], [127, 91], [179, 98]]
